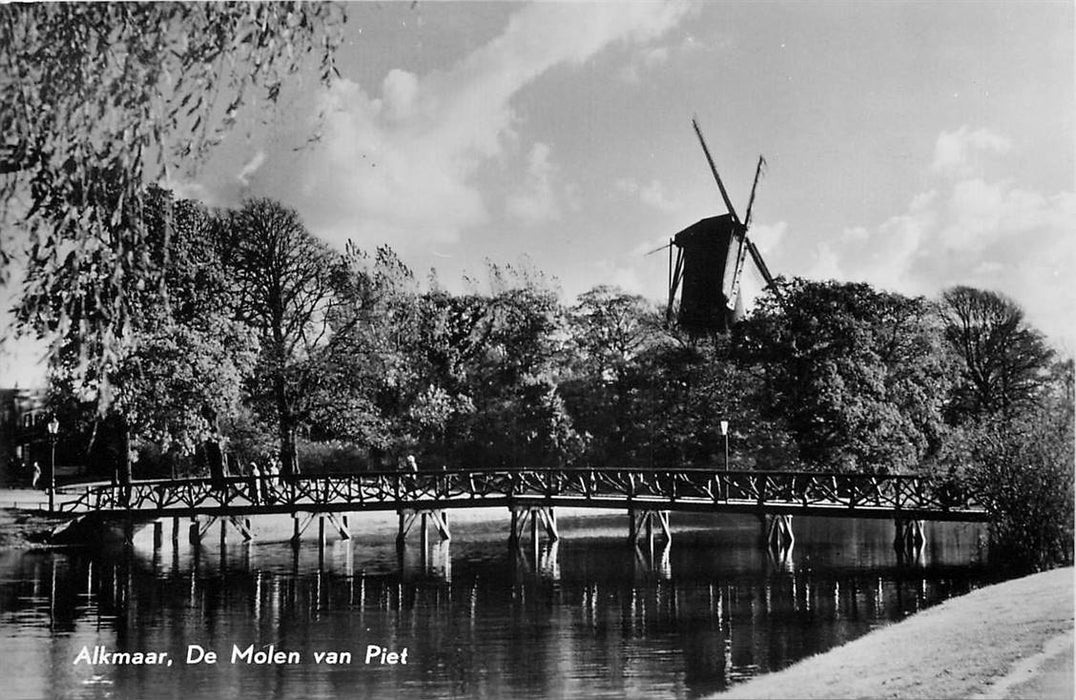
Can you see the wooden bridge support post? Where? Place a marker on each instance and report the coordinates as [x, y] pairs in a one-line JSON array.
[[341, 525], [242, 525], [521, 515], [408, 517], [128, 531], [910, 539], [194, 532], [778, 535], [175, 532], [401, 530], [643, 520], [299, 525], [158, 534], [515, 525]]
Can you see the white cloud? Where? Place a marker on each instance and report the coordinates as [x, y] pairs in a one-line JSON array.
[[535, 202], [956, 152], [643, 61], [627, 278], [250, 168], [988, 234], [189, 189], [652, 194], [401, 167], [655, 56]]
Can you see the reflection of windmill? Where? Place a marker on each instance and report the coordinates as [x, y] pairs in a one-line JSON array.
[[709, 262]]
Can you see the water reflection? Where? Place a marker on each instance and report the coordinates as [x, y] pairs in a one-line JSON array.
[[588, 615]]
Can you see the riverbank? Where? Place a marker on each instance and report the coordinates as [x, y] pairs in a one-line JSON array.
[[24, 524], [25, 529], [1010, 640]]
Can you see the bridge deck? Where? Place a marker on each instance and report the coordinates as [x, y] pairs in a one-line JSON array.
[[786, 493]]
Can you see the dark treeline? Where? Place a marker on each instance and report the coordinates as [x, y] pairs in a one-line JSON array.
[[257, 341]]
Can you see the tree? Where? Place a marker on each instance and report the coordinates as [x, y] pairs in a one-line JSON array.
[[860, 376], [187, 359], [484, 365], [1020, 467], [1005, 363], [609, 329], [285, 281], [102, 99], [366, 377]]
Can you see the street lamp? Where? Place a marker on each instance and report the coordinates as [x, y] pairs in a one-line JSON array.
[[725, 434], [54, 428]]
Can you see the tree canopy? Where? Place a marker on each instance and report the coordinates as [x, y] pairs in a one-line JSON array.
[[101, 100], [860, 375], [1004, 362]]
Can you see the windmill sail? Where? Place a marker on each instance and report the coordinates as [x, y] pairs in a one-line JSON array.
[[710, 261]]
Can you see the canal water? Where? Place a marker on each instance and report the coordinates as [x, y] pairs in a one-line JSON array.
[[590, 616]]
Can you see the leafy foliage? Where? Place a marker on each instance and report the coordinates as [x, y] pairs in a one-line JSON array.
[[187, 359], [284, 280], [102, 99], [859, 375], [1004, 362], [1022, 468]]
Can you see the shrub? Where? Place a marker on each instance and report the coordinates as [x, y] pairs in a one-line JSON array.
[[1021, 468]]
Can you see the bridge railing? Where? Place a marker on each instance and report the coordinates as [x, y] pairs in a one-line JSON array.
[[611, 486]]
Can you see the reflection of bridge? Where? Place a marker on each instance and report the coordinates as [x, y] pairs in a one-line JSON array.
[[648, 496]]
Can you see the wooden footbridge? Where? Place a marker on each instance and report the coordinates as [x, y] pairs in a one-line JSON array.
[[648, 495]]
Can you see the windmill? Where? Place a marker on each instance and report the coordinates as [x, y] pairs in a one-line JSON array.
[[709, 262]]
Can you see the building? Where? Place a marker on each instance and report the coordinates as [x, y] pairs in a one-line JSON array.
[[23, 434]]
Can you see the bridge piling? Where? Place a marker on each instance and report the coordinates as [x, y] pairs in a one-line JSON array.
[[777, 532], [299, 525], [643, 520], [408, 518], [175, 532], [910, 538], [158, 534], [522, 515], [242, 525]]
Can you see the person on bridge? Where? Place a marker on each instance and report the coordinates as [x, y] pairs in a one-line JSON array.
[[272, 477], [255, 483]]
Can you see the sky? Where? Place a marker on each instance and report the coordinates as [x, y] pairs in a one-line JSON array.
[[910, 145]]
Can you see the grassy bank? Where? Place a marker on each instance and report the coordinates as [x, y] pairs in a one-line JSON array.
[[955, 650]]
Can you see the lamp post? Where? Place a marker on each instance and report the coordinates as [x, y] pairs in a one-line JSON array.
[[725, 435], [54, 428]]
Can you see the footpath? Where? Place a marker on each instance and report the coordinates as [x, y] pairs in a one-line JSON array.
[[1010, 640]]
